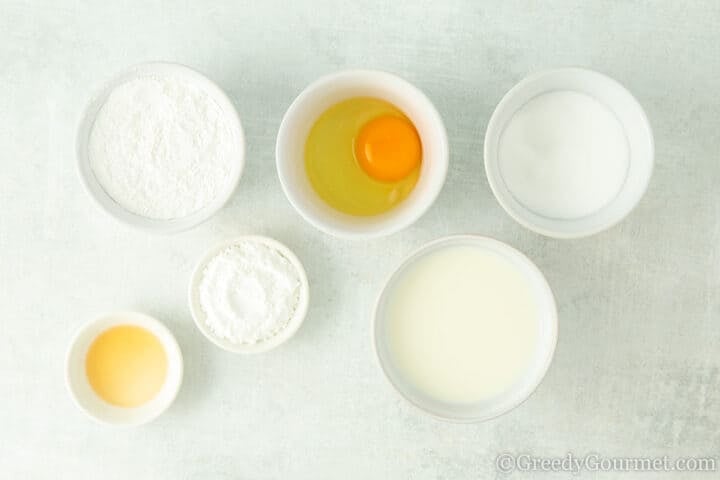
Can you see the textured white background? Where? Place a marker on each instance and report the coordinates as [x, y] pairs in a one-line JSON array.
[[637, 367]]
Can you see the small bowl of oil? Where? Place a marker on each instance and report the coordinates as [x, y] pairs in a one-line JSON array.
[[361, 154], [124, 369]]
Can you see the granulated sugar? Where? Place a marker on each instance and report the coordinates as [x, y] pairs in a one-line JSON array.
[[564, 155], [161, 147]]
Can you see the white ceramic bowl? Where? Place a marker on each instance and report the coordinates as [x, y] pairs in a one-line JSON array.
[[279, 338], [630, 115], [522, 388], [86, 398], [332, 89], [96, 190]]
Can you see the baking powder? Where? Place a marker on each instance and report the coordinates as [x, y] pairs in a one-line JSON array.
[[161, 147], [248, 292]]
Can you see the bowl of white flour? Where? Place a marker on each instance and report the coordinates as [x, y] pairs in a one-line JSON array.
[[161, 147], [249, 294]]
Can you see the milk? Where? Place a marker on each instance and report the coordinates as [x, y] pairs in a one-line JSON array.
[[463, 324], [563, 155]]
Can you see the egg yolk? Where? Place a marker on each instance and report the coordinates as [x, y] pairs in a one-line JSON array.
[[126, 366], [388, 148]]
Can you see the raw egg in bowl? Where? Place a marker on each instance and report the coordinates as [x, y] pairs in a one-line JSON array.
[[362, 154]]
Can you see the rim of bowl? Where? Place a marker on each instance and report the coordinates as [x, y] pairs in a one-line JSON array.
[[285, 333], [97, 192], [398, 224], [160, 331], [496, 130], [552, 322]]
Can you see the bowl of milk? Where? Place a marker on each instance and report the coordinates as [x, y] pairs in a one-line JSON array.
[[466, 328], [568, 152]]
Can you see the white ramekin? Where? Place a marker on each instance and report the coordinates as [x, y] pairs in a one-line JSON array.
[[280, 337], [332, 89], [94, 406], [507, 400], [96, 190], [628, 112]]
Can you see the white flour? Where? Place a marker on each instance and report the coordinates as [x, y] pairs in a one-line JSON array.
[[161, 147], [248, 292]]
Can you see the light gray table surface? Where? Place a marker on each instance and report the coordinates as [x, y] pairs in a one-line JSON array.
[[637, 366]]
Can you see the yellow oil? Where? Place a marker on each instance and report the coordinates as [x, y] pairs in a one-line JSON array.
[[126, 366], [333, 169]]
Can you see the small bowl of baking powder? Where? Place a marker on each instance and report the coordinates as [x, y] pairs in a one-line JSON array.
[[160, 147], [249, 294]]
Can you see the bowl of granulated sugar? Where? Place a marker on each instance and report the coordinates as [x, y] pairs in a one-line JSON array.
[[249, 294], [160, 147]]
